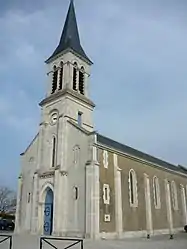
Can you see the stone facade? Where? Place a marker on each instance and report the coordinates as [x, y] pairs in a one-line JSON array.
[[142, 219], [98, 187]]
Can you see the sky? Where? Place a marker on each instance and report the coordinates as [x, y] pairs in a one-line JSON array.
[[138, 81]]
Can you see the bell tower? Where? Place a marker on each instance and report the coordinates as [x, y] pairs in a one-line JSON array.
[[68, 71]]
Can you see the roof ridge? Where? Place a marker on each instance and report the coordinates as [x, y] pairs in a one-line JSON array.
[[135, 152]]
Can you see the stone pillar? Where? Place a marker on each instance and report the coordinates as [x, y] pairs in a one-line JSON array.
[[18, 206], [63, 203], [68, 75], [58, 79], [34, 226], [118, 197], [49, 83], [148, 211], [92, 197], [184, 209], [56, 203], [168, 205], [86, 85]]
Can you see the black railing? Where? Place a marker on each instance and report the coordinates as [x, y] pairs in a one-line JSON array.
[[5, 238], [73, 242]]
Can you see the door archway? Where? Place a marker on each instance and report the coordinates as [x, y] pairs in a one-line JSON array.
[[48, 212]]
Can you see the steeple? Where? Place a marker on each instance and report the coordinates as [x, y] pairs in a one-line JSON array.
[[70, 36]]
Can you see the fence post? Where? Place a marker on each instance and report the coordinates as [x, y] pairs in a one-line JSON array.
[[40, 243], [10, 247], [81, 244]]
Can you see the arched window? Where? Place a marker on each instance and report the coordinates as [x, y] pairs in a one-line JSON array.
[[61, 75], [174, 195], [55, 79], [156, 192], [81, 80], [53, 151], [105, 159], [75, 76], [133, 195]]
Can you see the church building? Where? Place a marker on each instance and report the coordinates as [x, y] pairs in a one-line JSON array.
[[75, 182]]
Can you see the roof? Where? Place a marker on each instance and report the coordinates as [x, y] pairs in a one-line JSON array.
[[23, 153], [131, 151], [70, 36]]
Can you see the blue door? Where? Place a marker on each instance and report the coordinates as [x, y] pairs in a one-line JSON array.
[[48, 213]]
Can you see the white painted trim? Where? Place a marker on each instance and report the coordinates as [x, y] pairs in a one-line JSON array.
[[183, 200], [56, 201], [149, 222], [107, 218], [166, 231], [105, 159], [105, 236], [92, 200], [168, 206], [118, 197], [134, 189], [43, 191], [138, 234], [106, 194], [42, 195], [92, 195], [156, 192], [63, 204], [174, 196]]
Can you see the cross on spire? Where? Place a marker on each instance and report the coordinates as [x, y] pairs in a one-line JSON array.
[[70, 36]]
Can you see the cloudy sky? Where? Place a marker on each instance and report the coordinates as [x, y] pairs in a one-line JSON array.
[[139, 77]]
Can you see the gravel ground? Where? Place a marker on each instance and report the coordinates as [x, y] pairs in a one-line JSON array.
[[157, 242]]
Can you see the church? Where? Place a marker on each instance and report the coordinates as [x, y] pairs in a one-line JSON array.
[[75, 182]]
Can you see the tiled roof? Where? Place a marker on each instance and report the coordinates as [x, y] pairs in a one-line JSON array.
[[131, 151]]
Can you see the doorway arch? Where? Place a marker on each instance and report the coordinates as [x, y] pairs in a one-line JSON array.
[[48, 212]]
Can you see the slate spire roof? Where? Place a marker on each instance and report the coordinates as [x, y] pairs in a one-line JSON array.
[[70, 36]]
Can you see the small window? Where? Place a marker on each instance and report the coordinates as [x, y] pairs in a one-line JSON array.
[[75, 76], [53, 151], [106, 194], [81, 80], [156, 192], [76, 193], [79, 118], [133, 195], [61, 75], [107, 217], [55, 79]]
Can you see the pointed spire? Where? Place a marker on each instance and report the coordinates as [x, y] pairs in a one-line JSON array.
[[70, 36]]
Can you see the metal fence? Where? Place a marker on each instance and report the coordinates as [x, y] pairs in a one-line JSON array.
[[48, 240], [4, 238]]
